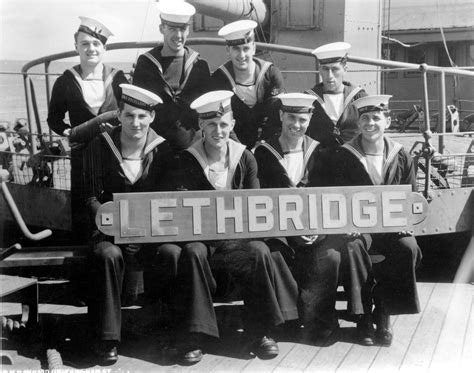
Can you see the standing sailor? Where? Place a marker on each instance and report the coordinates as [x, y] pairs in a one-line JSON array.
[[174, 72], [255, 84], [334, 119], [84, 91]]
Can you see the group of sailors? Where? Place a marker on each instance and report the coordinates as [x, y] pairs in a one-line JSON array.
[[179, 127]]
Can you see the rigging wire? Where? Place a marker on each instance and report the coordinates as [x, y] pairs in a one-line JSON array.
[[443, 37], [402, 43], [445, 44], [253, 9], [143, 28]]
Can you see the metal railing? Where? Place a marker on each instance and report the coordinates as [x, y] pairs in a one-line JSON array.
[[427, 151]]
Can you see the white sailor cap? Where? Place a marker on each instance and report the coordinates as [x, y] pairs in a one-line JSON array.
[[212, 104], [175, 13], [333, 52], [139, 97], [372, 103], [296, 102], [4, 125], [94, 28], [238, 32]]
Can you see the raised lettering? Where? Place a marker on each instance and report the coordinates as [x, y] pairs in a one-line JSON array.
[[389, 209], [312, 211], [364, 216], [125, 229], [284, 201], [264, 213], [338, 219], [235, 213], [156, 216], [196, 204]]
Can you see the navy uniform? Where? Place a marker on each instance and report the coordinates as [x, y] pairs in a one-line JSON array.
[[73, 95], [267, 286], [395, 291], [325, 261], [5, 158], [115, 173], [254, 103], [177, 78], [334, 118]]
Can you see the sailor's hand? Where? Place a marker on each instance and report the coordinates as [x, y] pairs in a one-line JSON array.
[[354, 234], [309, 240], [406, 233], [132, 249], [76, 145], [67, 132], [106, 126]]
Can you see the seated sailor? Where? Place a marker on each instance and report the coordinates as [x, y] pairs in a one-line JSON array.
[[131, 158], [372, 158], [267, 286], [292, 160]]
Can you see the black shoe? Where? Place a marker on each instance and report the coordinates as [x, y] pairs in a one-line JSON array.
[[384, 332], [323, 332], [188, 350], [191, 357], [265, 348], [365, 330], [106, 352]]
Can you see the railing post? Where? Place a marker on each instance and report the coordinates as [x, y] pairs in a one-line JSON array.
[[427, 148], [46, 70], [442, 111], [48, 94], [26, 80]]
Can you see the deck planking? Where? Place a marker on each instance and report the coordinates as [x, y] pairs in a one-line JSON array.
[[390, 359], [426, 336], [449, 349], [437, 339], [328, 358], [467, 358]]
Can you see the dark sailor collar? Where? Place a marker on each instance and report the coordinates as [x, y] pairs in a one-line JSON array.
[[235, 151], [391, 149], [113, 141], [274, 147]]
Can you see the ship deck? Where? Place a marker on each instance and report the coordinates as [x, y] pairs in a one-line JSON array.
[[439, 338]]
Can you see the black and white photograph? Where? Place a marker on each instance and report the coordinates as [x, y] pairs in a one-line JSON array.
[[236, 186]]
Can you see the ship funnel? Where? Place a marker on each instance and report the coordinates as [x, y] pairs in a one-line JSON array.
[[232, 10]]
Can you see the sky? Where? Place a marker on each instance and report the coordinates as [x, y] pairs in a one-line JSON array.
[[34, 28]]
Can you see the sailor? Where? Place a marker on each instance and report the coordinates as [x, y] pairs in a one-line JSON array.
[[255, 84], [291, 160], [84, 91], [174, 72], [372, 158], [129, 158], [334, 119], [267, 286], [5, 157]]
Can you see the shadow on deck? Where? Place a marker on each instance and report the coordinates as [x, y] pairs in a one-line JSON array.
[[438, 338]]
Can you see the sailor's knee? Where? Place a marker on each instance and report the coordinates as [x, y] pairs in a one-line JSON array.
[[106, 251], [328, 256], [408, 247], [259, 248], [195, 250], [169, 251]]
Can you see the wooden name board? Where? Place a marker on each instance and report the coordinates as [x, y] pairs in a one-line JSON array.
[[252, 213]]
